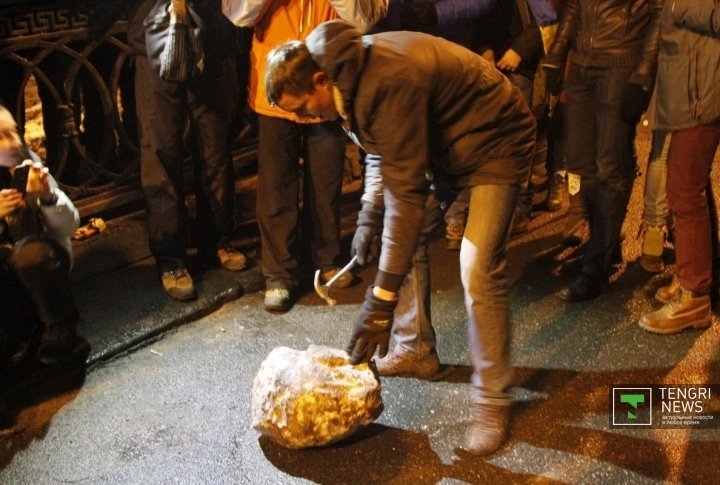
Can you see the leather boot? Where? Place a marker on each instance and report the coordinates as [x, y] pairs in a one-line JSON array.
[[665, 294], [488, 428], [653, 245], [556, 192], [686, 309]]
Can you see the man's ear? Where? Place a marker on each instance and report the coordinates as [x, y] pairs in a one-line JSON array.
[[320, 79]]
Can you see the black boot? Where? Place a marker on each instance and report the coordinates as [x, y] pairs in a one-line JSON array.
[[556, 192], [60, 343]]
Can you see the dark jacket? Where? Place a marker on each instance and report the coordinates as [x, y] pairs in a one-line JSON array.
[[687, 90], [610, 33], [424, 104]]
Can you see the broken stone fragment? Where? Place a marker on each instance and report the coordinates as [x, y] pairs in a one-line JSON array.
[[311, 398]]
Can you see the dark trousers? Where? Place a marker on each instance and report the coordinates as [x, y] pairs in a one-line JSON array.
[[42, 267], [600, 150], [281, 145], [163, 108], [690, 159]]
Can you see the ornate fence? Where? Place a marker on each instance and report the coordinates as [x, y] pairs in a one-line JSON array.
[[66, 74]]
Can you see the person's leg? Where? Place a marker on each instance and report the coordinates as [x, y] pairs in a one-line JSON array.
[[455, 218], [277, 200], [43, 269], [655, 206], [324, 156], [690, 159], [482, 270], [414, 353], [616, 170]]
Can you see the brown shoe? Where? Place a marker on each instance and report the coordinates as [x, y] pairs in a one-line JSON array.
[[231, 259], [406, 364], [685, 310], [652, 248], [665, 294], [178, 284], [488, 428]]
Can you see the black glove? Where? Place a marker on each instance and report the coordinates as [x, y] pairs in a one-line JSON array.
[[553, 79], [420, 16], [634, 103], [366, 241], [372, 328]]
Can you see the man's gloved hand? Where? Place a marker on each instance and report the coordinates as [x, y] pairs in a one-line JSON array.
[[420, 16], [372, 328], [634, 103], [366, 241], [553, 79]]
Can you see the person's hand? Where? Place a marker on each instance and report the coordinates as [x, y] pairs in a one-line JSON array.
[[553, 79], [366, 241], [38, 181], [420, 16], [372, 328], [10, 200], [634, 103], [510, 61]]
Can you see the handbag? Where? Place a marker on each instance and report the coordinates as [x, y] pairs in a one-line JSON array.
[[173, 40]]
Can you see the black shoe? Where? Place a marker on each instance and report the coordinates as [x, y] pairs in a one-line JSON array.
[[556, 192], [584, 287], [60, 344]]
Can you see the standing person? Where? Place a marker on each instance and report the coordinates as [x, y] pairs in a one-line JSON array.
[[163, 107], [656, 213], [687, 105], [613, 57], [423, 104], [284, 138], [36, 222]]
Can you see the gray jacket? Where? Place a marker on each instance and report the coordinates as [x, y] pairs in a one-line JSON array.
[[424, 105], [688, 81]]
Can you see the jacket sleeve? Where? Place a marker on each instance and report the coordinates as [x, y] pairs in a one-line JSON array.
[[399, 131], [373, 192], [644, 74], [700, 15], [451, 11], [557, 54], [362, 14], [528, 44], [62, 218]]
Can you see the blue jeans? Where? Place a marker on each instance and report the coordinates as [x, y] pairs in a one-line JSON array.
[[600, 150], [482, 270]]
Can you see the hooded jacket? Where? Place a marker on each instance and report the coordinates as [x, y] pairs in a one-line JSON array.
[[424, 105], [687, 93]]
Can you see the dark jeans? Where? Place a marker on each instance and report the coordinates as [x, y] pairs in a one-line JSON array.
[[42, 267], [322, 148], [690, 159], [163, 108], [600, 150]]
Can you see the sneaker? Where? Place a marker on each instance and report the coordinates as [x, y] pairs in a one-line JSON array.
[[277, 300], [231, 259], [454, 235], [488, 428], [343, 282], [406, 364], [685, 310], [178, 284], [60, 344], [665, 294]]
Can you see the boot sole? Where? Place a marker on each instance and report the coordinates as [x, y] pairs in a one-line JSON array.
[[667, 331]]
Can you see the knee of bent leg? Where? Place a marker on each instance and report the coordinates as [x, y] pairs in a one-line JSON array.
[[35, 256]]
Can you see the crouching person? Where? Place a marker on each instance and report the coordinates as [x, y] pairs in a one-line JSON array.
[[36, 222], [422, 104]]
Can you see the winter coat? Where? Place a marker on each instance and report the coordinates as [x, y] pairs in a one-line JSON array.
[[609, 33], [687, 90], [424, 104]]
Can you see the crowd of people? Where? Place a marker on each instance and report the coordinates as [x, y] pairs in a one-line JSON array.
[[446, 100]]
